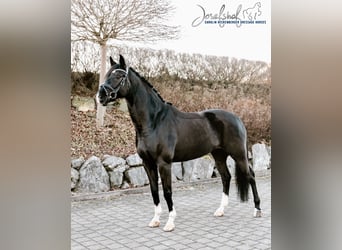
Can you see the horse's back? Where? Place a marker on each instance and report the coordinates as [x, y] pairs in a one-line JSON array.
[[214, 123]]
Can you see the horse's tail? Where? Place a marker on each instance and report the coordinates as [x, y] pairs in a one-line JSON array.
[[242, 175], [242, 181]]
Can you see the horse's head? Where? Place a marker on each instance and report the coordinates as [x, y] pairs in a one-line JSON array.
[[114, 82]]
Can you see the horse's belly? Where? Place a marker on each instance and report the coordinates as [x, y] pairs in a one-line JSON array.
[[188, 151], [188, 157]]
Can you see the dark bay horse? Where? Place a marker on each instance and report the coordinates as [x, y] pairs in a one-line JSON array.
[[165, 135]]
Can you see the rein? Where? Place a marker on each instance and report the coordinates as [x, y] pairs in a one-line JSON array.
[[113, 92]]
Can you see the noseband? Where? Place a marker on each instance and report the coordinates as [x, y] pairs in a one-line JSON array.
[[113, 92]]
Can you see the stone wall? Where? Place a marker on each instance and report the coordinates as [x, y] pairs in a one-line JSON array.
[[95, 175]]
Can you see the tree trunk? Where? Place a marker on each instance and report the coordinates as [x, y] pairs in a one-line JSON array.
[[101, 110]]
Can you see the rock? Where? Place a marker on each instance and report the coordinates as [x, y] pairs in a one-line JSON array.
[[231, 166], [188, 167], [134, 160], [249, 155], [125, 185], [177, 171], [269, 153], [105, 156], [261, 158], [93, 177], [137, 176], [83, 103], [268, 150], [116, 175], [112, 162], [159, 179], [198, 169], [74, 178], [116, 168], [215, 173], [77, 163]]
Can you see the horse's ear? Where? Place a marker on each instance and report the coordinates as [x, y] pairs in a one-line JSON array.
[[111, 61], [122, 62]]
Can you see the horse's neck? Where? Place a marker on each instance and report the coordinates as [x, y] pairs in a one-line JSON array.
[[143, 106]]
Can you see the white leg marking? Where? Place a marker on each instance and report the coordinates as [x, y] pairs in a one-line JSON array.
[[257, 212], [170, 225], [224, 202], [155, 220]]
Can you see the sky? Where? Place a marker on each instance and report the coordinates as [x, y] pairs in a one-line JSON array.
[[249, 41]]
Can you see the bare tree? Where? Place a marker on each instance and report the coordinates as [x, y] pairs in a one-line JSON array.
[[129, 20]]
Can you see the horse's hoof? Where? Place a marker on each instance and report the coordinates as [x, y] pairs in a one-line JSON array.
[[169, 227], [154, 223], [219, 213], [257, 213]]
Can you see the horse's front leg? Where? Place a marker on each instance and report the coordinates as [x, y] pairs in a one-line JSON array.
[[152, 173], [165, 175]]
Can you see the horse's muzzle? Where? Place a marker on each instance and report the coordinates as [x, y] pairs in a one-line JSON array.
[[101, 97], [107, 94], [104, 101]]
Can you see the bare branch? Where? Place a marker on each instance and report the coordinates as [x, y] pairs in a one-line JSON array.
[[130, 20]]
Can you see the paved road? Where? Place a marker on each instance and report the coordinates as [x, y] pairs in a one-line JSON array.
[[121, 222]]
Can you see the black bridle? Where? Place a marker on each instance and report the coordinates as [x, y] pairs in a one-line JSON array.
[[113, 92]]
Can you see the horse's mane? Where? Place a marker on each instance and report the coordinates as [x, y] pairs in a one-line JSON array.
[[151, 86]]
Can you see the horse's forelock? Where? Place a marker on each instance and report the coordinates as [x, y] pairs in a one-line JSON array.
[[112, 68]]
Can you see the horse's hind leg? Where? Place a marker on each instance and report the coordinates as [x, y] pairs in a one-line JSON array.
[[257, 209], [245, 175], [220, 157]]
